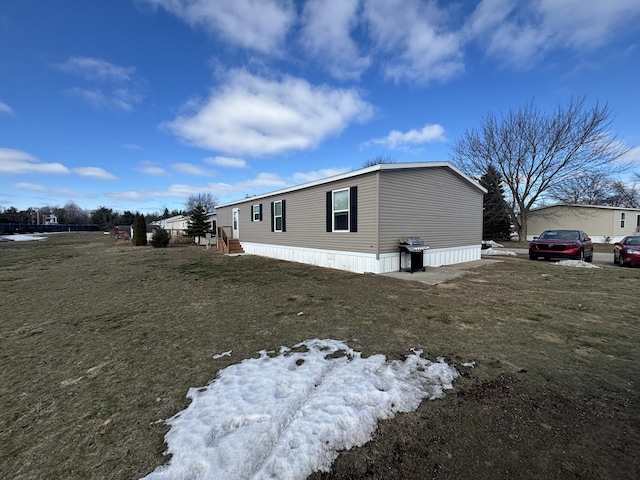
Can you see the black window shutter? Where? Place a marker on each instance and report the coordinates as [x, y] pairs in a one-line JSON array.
[[260, 212], [329, 212], [272, 216], [284, 224], [353, 209], [251, 212]]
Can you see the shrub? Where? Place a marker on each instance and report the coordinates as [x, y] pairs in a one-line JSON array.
[[160, 238]]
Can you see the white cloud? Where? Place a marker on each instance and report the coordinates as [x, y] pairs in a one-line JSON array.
[[398, 140], [227, 162], [326, 35], [28, 186], [94, 172], [521, 33], [256, 116], [260, 25], [96, 69], [129, 196], [191, 169], [304, 177], [16, 162], [123, 93], [4, 108], [632, 156], [585, 25], [118, 99], [151, 168], [415, 36]]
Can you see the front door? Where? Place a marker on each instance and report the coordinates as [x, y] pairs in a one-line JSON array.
[[236, 223]]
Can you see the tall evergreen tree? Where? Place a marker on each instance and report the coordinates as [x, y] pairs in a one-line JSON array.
[[139, 230], [496, 221], [197, 225]]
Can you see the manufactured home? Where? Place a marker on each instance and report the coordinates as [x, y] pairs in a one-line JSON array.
[[355, 221], [602, 224], [177, 226]]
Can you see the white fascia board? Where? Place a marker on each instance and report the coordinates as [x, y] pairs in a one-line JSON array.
[[355, 173]]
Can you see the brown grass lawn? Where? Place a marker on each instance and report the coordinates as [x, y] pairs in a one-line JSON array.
[[101, 340]]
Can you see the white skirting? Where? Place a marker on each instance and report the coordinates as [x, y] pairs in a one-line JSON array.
[[361, 262]]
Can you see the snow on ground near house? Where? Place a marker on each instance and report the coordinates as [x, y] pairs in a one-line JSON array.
[[286, 415], [495, 251], [21, 238], [491, 243], [575, 263]]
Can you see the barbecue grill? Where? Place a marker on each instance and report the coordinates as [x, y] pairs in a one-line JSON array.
[[414, 248]]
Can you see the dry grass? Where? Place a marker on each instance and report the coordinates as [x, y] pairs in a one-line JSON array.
[[100, 341]]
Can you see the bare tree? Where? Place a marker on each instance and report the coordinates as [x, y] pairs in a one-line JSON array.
[[536, 152], [206, 200], [624, 194], [586, 189], [377, 161]]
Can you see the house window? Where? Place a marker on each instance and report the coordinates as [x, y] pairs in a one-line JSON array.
[[278, 213], [342, 210], [256, 213], [622, 220]]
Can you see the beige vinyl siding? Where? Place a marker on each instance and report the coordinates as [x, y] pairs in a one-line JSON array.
[[595, 221], [432, 203], [590, 220], [305, 218]]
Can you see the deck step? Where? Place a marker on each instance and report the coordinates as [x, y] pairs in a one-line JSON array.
[[234, 246]]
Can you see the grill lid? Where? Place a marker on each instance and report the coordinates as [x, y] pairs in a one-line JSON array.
[[415, 241], [413, 244]]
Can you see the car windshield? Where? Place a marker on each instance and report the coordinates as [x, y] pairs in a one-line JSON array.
[[633, 241], [560, 235]]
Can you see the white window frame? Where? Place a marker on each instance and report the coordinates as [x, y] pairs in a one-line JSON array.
[[334, 211], [255, 212], [622, 219], [276, 216]]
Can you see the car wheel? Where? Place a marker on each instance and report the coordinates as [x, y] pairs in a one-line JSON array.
[[533, 257], [589, 259], [621, 261], [581, 256]]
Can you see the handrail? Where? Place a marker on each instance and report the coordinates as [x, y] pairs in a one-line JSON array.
[[223, 238]]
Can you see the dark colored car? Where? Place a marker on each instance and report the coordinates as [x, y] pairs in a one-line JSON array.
[[562, 244], [627, 252]]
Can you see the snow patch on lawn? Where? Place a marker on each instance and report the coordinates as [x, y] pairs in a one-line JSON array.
[[496, 251], [286, 415], [575, 263], [21, 238]]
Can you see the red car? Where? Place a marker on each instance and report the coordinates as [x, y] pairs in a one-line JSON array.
[[627, 252], [562, 244]]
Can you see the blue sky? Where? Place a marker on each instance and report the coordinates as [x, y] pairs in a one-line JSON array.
[[137, 104]]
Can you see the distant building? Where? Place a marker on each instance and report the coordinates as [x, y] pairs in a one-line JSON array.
[[602, 224], [50, 219]]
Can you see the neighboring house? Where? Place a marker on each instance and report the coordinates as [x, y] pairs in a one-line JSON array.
[[51, 219], [354, 221], [602, 224], [177, 226]]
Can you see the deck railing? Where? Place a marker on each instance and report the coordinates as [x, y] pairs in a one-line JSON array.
[[224, 234]]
